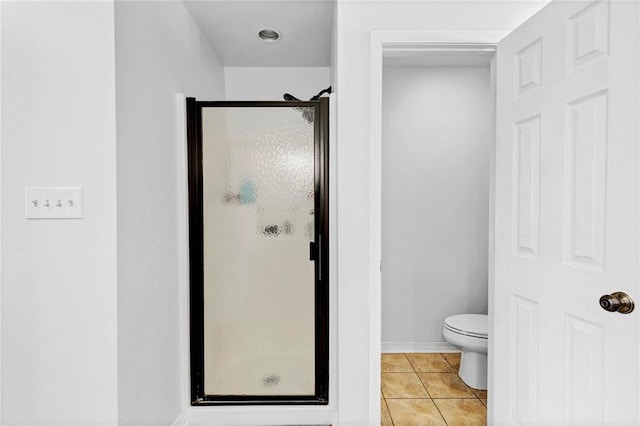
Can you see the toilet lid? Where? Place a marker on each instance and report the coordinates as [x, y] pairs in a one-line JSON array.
[[469, 324]]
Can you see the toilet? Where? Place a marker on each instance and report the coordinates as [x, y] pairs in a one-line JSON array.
[[470, 333]]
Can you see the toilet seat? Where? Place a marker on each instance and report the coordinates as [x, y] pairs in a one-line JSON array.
[[470, 325]]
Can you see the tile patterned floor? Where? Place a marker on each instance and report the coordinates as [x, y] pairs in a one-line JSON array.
[[424, 390]]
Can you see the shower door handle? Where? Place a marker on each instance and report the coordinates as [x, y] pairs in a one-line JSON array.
[[314, 255], [314, 251]]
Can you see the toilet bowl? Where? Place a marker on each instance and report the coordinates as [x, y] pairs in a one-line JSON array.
[[469, 333]]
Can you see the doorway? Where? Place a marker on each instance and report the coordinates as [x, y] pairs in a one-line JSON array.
[[438, 128], [411, 46]]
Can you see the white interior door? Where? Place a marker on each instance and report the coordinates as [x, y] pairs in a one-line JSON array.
[[567, 217]]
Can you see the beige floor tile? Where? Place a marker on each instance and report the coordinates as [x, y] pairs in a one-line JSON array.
[[454, 360], [396, 363], [418, 412], [385, 417], [445, 385], [482, 394], [462, 412], [484, 401], [429, 363], [402, 385]]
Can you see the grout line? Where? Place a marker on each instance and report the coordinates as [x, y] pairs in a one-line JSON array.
[[424, 386], [410, 363], [389, 411], [441, 415], [451, 365], [431, 398], [458, 397]]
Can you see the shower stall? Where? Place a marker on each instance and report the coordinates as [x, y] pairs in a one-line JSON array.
[[258, 231]]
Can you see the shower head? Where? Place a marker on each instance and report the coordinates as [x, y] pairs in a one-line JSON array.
[[307, 112], [288, 97]]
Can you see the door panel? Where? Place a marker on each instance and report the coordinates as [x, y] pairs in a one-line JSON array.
[[567, 217], [258, 180]]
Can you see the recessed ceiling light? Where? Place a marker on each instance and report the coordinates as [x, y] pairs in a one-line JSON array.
[[269, 36]]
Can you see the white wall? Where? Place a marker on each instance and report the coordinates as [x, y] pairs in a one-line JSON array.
[[436, 135], [59, 342], [355, 22], [159, 52], [270, 83]]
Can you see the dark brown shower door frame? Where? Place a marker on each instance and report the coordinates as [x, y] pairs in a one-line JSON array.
[[319, 251]]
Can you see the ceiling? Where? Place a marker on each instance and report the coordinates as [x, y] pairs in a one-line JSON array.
[[232, 27]]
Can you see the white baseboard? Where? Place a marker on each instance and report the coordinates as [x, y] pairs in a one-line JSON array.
[[418, 347], [257, 415]]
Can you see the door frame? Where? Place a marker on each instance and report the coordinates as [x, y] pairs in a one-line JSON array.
[[319, 254], [411, 44]]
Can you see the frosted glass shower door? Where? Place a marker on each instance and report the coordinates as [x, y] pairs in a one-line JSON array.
[[262, 293]]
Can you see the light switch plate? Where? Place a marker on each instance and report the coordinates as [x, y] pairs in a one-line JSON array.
[[53, 202]]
